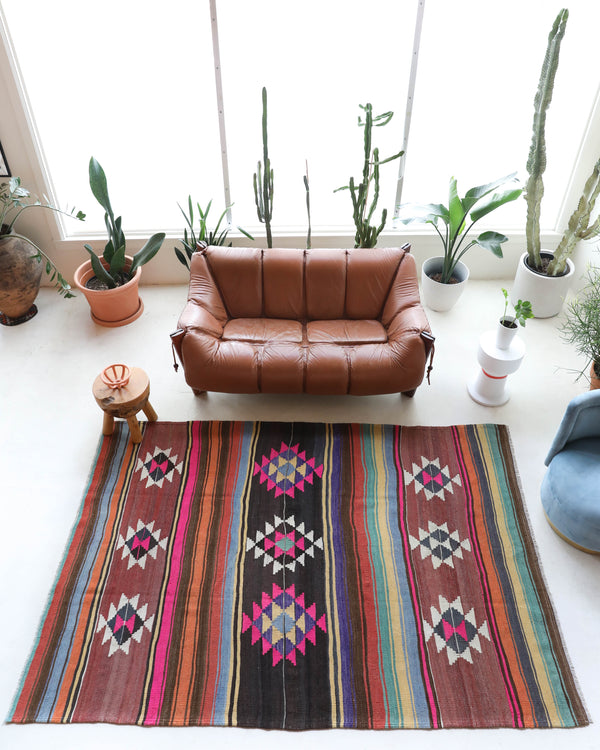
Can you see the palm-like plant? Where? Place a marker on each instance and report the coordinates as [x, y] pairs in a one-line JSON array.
[[454, 222]]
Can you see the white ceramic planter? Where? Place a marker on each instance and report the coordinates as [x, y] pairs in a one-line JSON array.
[[504, 336], [437, 296], [546, 293]]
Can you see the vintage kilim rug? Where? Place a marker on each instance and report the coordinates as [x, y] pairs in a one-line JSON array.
[[300, 576]]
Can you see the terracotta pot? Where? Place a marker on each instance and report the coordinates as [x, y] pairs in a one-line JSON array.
[[438, 296], [546, 293], [20, 275], [111, 307], [594, 379]]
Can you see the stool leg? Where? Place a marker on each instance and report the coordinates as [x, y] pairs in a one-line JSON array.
[[134, 429], [149, 411], [108, 424]]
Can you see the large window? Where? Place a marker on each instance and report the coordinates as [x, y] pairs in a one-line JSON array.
[[133, 83]]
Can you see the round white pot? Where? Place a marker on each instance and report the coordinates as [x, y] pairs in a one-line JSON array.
[[546, 293], [505, 335], [437, 296]]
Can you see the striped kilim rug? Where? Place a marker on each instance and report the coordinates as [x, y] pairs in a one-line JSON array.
[[300, 576]]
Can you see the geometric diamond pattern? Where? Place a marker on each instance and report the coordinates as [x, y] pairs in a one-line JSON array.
[[454, 631], [282, 624], [124, 623], [138, 544], [439, 544], [283, 544], [158, 467], [431, 479], [287, 470]]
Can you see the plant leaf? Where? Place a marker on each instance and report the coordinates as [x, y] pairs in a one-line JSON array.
[[99, 269], [492, 241], [148, 251], [98, 185], [495, 201], [456, 210]]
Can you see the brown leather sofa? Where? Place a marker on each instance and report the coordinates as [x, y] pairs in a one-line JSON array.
[[324, 321]]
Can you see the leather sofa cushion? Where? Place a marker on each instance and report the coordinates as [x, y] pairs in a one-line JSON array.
[[348, 332], [263, 330]]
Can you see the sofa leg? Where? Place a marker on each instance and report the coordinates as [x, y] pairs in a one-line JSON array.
[[409, 394], [198, 392]]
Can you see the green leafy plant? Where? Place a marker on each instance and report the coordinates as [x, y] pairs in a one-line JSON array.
[[14, 200], [190, 240], [454, 222], [581, 327], [117, 270], [523, 312], [365, 195], [536, 162], [263, 179]]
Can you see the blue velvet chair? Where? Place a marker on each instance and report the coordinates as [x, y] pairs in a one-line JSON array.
[[571, 487]]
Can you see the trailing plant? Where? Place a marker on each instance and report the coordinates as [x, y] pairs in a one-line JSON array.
[[578, 227], [365, 195], [536, 162], [14, 200], [582, 321], [117, 271], [307, 189], [522, 314], [216, 236], [263, 179], [477, 203]]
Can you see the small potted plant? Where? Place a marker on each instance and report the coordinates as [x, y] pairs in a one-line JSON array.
[[190, 241], [21, 260], [507, 325], [110, 284], [582, 325], [443, 277]]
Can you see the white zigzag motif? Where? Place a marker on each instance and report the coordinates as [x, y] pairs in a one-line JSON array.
[[284, 543], [431, 479], [439, 544]]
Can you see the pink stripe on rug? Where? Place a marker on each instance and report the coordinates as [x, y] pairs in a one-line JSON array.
[[161, 658]]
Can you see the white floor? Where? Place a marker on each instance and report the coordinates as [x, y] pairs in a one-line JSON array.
[[50, 426]]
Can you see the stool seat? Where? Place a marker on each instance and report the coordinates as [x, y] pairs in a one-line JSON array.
[[125, 402]]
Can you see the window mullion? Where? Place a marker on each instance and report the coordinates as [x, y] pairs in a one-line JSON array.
[[220, 107]]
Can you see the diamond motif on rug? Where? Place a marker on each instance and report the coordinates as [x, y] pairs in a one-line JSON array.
[[138, 544], [284, 543], [283, 624], [454, 631], [157, 467], [439, 544], [431, 479], [286, 470], [124, 623]]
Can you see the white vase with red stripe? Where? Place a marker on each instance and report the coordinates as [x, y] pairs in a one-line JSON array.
[[498, 358]]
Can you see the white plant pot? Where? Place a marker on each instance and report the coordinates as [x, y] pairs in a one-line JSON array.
[[437, 296], [546, 293], [504, 336]]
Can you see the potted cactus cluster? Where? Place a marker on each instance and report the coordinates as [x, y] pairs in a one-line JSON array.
[[544, 277]]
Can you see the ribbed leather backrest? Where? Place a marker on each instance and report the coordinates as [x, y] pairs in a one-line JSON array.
[[296, 284]]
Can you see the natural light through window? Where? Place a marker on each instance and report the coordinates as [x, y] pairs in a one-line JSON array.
[[133, 83]]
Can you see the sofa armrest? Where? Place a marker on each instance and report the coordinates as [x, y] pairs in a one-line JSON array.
[[194, 316]]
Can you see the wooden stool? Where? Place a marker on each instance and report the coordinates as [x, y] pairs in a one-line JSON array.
[[125, 403]]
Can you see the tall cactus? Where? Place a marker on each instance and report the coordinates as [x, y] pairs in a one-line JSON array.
[[578, 227], [263, 179], [362, 212], [536, 163]]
